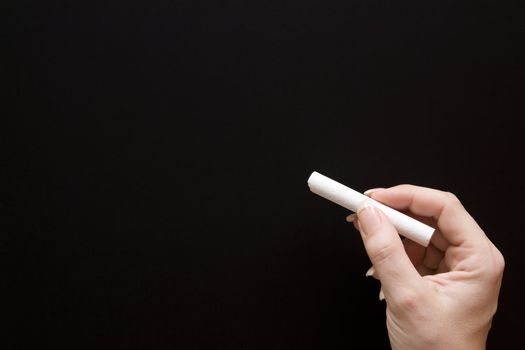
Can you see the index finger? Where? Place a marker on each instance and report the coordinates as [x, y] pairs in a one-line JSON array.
[[454, 222]]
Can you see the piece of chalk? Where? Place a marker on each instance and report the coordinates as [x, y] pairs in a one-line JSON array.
[[350, 199]]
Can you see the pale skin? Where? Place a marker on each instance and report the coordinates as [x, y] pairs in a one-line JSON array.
[[439, 297]]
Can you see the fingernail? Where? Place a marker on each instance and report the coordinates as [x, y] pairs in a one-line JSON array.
[[351, 217], [366, 204], [370, 271], [381, 295], [372, 190], [368, 217]]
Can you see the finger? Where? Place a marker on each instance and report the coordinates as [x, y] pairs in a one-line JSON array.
[[353, 219], [416, 252], [371, 272], [381, 294], [385, 249], [442, 267], [424, 271], [433, 257], [456, 225], [439, 241]]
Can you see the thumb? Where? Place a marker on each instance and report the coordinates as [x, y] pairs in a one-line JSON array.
[[383, 245]]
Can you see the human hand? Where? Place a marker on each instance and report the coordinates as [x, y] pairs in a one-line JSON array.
[[439, 297]]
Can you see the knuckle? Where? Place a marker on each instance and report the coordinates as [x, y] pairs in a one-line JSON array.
[[452, 198], [499, 263], [407, 302], [494, 266], [408, 187], [382, 253]]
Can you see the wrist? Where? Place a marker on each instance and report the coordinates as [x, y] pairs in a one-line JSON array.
[[449, 341], [473, 342]]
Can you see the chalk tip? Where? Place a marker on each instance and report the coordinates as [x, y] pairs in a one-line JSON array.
[[312, 175]]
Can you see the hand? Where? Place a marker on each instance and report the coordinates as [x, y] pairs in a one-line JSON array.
[[440, 297]]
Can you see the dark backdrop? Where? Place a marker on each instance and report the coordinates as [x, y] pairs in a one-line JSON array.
[[155, 158]]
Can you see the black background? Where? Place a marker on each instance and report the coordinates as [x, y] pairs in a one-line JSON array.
[[155, 158]]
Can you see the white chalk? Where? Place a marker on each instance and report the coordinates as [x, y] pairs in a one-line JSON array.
[[350, 199]]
